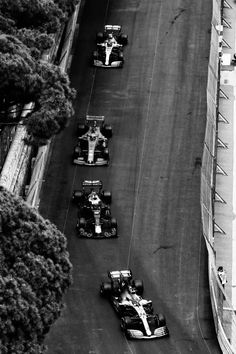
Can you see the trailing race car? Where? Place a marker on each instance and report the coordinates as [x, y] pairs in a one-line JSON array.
[[136, 313], [92, 146], [110, 42], [95, 218]]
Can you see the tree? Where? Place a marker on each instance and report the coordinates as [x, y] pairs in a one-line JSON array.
[[35, 273], [45, 15], [67, 6], [25, 80], [19, 78], [38, 42], [7, 25]]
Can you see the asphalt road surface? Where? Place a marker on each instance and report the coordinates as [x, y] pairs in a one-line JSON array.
[[156, 105]]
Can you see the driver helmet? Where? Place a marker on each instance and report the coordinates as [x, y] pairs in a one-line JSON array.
[[131, 290]]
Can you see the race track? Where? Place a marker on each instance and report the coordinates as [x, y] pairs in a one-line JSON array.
[[156, 105]]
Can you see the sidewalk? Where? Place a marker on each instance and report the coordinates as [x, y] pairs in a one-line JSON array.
[[225, 197]]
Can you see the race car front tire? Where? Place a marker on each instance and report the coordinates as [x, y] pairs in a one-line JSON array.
[[161, 319], [106, 154], [105, 289], [126, 322]]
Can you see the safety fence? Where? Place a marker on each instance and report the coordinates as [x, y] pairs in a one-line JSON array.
[[223, 313]]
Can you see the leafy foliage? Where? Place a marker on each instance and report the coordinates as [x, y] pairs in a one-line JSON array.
[[67, 6], [45, 15], [25, 80], [34, 274], [37, 41], [19, 78]]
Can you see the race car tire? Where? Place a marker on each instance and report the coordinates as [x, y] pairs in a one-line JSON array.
[[99, 37], [113, 222], [107, 197], [81, 223], [77, 196], [105, 289], [138, 284], [95, 54], [126, 322], [81, 129], [123, 39], [161, 319], [106, 154], [121, 56], [149, 309], [107, 131], [77, 152]]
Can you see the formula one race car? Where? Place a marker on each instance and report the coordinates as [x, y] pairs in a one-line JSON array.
[[95, 218], [92, 146], [109, 53], [136, 313]]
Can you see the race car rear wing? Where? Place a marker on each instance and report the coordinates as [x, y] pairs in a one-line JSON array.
[[88, 183], [117, 274], [112, 28], [91, 121]]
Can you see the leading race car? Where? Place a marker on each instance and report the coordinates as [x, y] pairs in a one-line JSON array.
[[95, 218], [110, 43], [92, 146], [136, 313]]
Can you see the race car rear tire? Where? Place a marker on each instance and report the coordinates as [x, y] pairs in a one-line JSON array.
[[138, 284], [81, 129], [77, 196], [107, 198], [95, 54], [107, 131], [81, 223], [99, 37], [77, 152], [105, 289], [123, 39]]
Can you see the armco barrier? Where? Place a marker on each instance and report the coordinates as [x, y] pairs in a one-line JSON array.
[[15, 167], [224, 316]]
